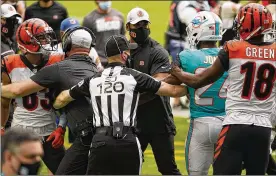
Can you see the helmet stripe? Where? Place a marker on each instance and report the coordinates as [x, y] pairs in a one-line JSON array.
[[252, 20], [216, 28]]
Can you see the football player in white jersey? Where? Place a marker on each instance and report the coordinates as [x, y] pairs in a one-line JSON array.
[[251, 65], [181, 14], [207, 104], [35, 112]]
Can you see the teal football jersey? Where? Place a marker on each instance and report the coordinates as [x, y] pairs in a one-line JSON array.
[[208, 100]]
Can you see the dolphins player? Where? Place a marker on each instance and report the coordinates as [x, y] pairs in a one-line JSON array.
[[207, 104]]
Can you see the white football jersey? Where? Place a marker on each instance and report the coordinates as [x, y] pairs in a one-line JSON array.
[[33, 111], [252, 83]]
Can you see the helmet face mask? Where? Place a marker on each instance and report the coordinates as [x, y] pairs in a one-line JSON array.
[[206, 26], [35, 36], [271, 35], [47, 40]]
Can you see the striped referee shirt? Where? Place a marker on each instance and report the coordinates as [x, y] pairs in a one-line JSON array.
[[115, 93]]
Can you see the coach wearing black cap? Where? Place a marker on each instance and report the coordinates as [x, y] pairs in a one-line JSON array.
[[114, 96]]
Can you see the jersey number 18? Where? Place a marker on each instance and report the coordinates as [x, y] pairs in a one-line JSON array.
[[263, 84]]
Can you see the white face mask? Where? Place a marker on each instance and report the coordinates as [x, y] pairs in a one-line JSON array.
[[105, 5]]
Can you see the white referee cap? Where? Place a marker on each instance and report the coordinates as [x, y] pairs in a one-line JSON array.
[[136, 15], [81, 38]]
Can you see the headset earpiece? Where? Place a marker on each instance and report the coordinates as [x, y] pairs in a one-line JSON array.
[[67, 42]]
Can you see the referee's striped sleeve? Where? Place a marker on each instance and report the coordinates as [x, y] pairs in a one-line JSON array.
[[145, 83]]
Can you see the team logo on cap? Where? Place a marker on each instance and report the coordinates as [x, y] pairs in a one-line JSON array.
[[72, 21], [10, 8], [140, 13]]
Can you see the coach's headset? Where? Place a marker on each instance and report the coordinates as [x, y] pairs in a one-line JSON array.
[[67, 40]]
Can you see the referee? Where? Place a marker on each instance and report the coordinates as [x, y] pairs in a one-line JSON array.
[[114, 96]]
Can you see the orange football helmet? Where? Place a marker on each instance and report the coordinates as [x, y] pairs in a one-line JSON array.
[[253, 20], [36, 36]]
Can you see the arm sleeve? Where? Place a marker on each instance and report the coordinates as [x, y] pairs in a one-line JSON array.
[[223, 56], [145, 83], [47, 76], [81, 89], [160, 62]]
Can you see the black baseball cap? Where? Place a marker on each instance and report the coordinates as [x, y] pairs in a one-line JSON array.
[[116, 44]]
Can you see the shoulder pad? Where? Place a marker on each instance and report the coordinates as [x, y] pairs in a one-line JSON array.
[[233, 45], [53, 58], [185, 53], [9, 62]]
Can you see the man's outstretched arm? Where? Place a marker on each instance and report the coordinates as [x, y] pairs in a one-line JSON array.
[[77, 91], [172, 90], [208, 76], [62, 99], [20, 89]]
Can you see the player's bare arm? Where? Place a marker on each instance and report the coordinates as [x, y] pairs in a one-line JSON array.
[[20, 89], [172, 90], [160, 76], [62, 99], [171, 79], [208, 76], [5, 102]]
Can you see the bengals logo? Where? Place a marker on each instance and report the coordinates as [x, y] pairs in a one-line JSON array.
[[10, 8], [5, 30], [140, 13]]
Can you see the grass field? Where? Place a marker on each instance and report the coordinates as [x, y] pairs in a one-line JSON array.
[[158, 11]]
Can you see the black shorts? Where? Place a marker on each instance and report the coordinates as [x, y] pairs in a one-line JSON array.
[[239, 144]]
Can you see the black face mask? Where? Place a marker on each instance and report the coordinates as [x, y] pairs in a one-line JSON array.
[[29, 169], [141, 35], [8, 29]]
